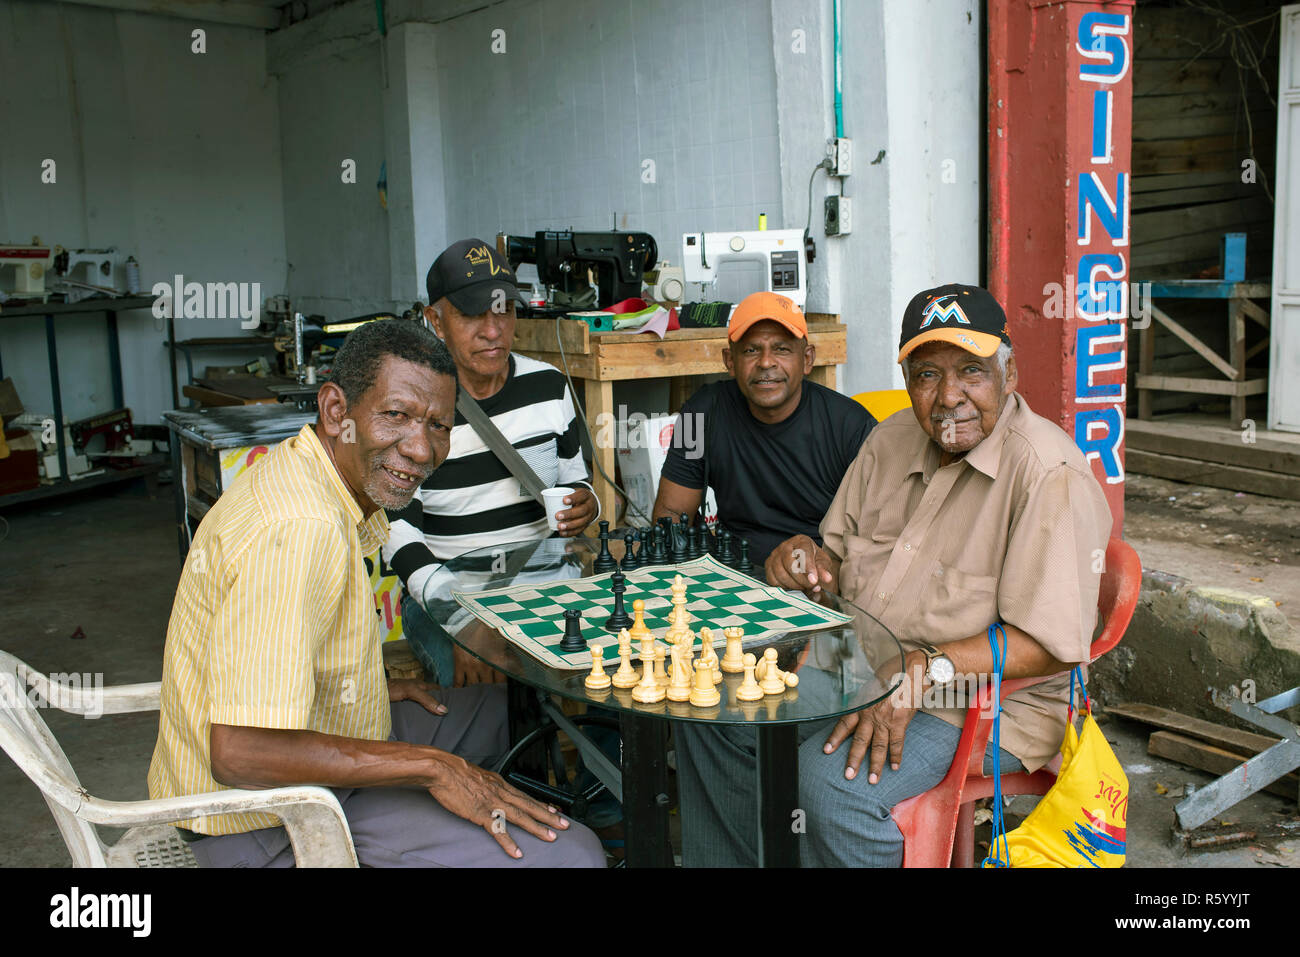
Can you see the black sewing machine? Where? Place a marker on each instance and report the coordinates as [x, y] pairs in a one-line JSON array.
[[563, 258]]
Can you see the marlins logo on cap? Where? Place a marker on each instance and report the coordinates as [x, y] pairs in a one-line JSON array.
[[943, 310]]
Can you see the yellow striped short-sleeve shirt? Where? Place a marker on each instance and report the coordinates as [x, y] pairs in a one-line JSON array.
[[274, 622]]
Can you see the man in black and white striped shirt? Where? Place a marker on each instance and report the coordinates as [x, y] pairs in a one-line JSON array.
[[472, 501]]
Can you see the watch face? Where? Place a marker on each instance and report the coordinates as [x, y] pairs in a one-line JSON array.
[[942, 670]]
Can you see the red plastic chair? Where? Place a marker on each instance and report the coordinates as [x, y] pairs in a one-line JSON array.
[[939, 826]]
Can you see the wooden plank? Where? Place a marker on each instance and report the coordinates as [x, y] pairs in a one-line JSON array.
[[1253, 311], [1207, 757], [1171, 383], [1147, 109], [1213, 444], [1204, 75], [1208, 354], [1207, 473], [1182, 126], [1204, 217], [1191, 196], [678, 335], [1155, 181], [1247, 743], [538, 335]]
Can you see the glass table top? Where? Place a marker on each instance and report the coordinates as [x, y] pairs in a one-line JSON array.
[[841, 668]]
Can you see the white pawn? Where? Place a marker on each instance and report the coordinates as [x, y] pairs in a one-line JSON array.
[[626, 676], [771, 683], [597, 680], [749, 689]]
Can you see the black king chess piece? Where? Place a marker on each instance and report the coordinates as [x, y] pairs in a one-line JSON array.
[[604, 560], [572, 640], [620, 619]]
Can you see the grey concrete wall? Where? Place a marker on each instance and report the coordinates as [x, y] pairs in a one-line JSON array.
[[169, 155], [556, 130]]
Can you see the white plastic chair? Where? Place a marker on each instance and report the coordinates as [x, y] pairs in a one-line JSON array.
[[317, 829]]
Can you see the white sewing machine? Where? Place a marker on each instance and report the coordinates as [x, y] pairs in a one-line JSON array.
[[29, 264], [101, 270], [778, 252]]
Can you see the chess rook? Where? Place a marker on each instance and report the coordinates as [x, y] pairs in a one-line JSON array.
[[572, 640]]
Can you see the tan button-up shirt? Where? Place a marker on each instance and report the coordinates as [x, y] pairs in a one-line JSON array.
[[274, 623], [1014, 531]]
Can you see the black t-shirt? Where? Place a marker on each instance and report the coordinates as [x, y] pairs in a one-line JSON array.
[[770, 481]]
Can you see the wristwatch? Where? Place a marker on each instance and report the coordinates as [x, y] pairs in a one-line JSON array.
[[939, 669]]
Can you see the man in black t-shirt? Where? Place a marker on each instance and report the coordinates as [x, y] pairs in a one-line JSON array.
[[773, 447]]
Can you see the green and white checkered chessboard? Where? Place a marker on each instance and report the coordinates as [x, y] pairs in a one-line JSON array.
[[532, 615]]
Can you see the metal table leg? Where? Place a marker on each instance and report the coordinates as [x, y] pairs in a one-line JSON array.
[[778, 795], [52, 348], [645, 791]]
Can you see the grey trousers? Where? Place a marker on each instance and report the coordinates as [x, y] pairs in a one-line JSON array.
[[406, 827], [847, 823]]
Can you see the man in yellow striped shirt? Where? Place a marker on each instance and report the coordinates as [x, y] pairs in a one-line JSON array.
[[273, 673]]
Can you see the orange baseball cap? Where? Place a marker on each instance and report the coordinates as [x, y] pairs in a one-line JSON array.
[[766, 305]]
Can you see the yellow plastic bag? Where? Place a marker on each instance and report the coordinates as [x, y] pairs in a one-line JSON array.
[[1082, 820]]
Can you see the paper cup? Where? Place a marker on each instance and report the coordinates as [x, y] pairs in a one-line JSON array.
[[554, 499]]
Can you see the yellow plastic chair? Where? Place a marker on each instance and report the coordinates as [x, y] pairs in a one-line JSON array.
[[883, 402]]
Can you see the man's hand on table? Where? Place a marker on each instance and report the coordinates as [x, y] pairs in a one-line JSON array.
[[413, 689], [801, 564], [472, 671], [582, 510], [484, 798], [882, 727]]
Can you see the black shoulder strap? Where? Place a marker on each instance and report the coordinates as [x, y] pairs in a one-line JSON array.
[[481, 423]]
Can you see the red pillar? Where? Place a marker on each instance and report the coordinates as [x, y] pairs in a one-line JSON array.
[[1060, 115]]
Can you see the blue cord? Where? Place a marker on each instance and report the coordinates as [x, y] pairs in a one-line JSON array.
[[999, 853]]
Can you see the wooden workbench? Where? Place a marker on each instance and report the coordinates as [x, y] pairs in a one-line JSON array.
[[603, 358]]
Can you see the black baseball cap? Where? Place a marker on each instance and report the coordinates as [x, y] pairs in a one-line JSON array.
[[966, 316], [469, 273]]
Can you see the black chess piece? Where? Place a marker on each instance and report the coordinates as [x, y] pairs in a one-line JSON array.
[[694, 548], [725, 554], [744, 566], [620, 619], [604, 560], [572, 640], [658, 553], [628, 561], [640, 557], [679, 543]]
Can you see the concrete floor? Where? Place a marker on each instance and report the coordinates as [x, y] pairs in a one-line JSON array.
[[106, 562]]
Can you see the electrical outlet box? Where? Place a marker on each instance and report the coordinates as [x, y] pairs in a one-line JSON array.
[[841, 154], [839, 216]]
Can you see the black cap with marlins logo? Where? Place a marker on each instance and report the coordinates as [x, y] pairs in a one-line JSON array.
[[966, 316], [473, 276]]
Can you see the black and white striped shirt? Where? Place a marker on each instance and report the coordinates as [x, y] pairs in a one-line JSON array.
[[472, 501]]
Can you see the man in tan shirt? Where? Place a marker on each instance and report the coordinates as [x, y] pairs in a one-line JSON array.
[[965, 510]]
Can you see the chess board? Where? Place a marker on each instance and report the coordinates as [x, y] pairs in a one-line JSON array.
[[532, 615]]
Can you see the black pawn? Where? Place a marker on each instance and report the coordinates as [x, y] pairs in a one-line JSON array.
[[572, 640], [628, 562], [640, 557], [604, 560], [694, 548], [744, 565], [679, 544], [620, 619], [725, 554], [658, 552]]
